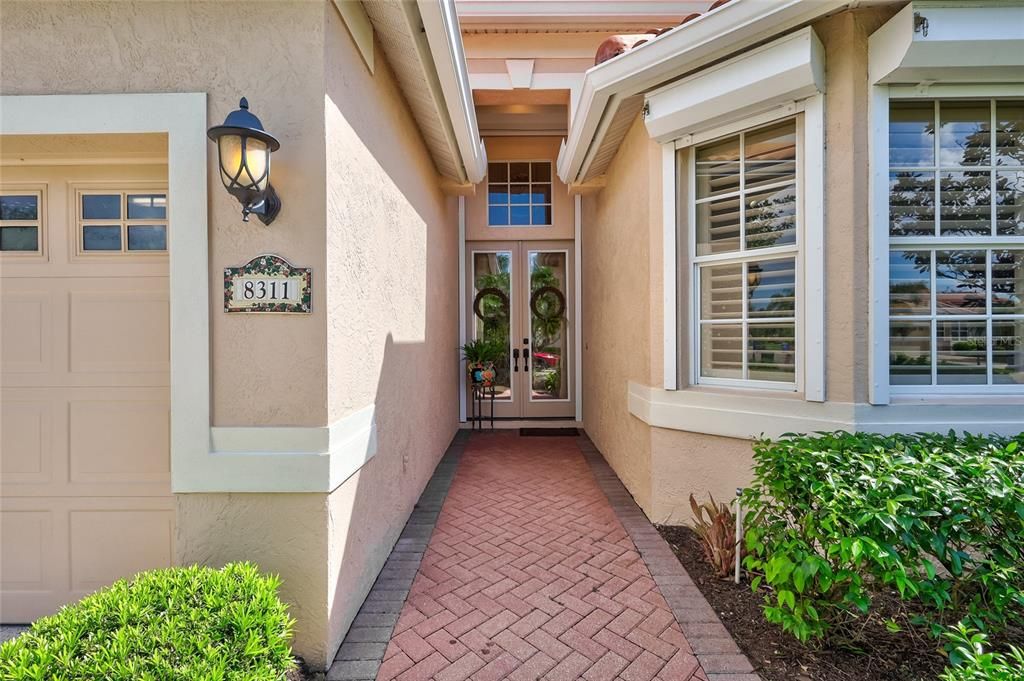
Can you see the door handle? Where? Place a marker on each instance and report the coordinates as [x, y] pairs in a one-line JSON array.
[[526, 359], [515, 359]]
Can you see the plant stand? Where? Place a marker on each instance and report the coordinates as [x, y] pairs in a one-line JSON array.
[[479, 397]]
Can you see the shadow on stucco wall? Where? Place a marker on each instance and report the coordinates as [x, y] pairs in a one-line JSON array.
[[392, 278]]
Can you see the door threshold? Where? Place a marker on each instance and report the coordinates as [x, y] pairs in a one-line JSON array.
[[512, 424]]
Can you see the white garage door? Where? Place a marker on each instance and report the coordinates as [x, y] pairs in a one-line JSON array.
[[84, 382]]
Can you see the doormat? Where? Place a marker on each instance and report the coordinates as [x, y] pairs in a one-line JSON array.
[[549, 432]]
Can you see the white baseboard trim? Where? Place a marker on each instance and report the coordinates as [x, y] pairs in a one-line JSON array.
[[748, 416], [286, 458]]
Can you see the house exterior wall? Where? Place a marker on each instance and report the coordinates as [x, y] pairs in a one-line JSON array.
[[392, 334], [622, 256], [367, 216], [521, 149], [617, 336]]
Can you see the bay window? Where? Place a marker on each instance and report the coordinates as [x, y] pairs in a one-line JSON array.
[[956, 245]]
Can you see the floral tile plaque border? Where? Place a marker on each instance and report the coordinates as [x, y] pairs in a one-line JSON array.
[[268, 283]]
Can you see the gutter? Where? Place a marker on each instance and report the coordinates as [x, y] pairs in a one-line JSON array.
[[444, 41], [709, 38]]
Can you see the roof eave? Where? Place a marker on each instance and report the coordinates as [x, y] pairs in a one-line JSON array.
[[444, 37], [710, 37]]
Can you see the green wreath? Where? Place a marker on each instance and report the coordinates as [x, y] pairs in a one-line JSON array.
[[550, 315], [491, 291]]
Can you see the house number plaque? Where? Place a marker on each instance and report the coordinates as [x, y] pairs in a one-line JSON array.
[[268, 283]]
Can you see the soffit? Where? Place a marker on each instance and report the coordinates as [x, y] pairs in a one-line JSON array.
[[401, 37]]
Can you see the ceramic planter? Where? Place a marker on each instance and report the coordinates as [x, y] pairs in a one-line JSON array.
[[481, 373]]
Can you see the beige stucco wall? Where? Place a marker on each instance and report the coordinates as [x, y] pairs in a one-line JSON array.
[[616, 330], [361, 206], [622, 256], [392, 272], [521, 149], [845, 37], [225, 50]]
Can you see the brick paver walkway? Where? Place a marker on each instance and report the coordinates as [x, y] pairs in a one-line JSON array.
[[530, 575]]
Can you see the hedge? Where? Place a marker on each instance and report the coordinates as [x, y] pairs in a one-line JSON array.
[[164, 625], [937, 518]]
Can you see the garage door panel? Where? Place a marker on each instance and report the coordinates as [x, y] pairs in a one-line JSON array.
[[120, 331], [85, 493], [26, 538], [26, 332], [110, 544], [26, 427], [119, 441]]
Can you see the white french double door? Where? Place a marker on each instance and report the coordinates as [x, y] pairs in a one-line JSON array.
[[521, 295]]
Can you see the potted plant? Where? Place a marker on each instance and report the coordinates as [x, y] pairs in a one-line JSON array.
[[480, 356]]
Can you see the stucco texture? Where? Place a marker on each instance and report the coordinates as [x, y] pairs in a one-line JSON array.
[[521, 149], [361, 206], [392, 305], [617, 310], [225, 50]]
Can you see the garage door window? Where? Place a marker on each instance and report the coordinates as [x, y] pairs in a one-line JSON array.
[[122, 222], [21, 222]]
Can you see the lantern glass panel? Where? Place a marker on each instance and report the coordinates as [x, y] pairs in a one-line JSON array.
[[257, 161], [230, 148]]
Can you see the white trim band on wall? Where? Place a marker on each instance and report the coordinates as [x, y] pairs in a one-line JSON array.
[[749, 416], [288, 459]]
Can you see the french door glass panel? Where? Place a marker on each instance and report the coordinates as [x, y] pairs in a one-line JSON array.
[[520, 295], [549, 325], [492, 311]]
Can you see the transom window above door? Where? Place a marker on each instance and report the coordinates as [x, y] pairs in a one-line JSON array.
[[956, 245], [519, 194], [111, 222], [21, 221]]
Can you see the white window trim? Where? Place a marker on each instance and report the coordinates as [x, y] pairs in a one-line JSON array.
[[809, 253], [774, 253], [967, 51], [782, 79], [880, 392]]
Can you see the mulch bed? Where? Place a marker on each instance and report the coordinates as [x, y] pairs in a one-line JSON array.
[[868, 652]]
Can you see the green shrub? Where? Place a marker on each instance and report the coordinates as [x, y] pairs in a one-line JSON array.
[[972, 663], [940, 519], [180, 623]]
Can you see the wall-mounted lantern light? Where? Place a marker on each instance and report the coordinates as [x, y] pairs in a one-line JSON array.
[[243, 152]]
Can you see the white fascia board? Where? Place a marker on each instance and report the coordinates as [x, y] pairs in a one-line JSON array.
[[641, 12], [979, 42], [786, 70], [444, 37], [710, 37]]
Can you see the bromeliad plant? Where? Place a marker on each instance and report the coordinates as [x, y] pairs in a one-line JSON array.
[[178, 624], [715, 524], [937, 518]]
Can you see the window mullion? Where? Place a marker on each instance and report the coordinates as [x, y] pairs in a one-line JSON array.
[[936, 149], [933, 260], [742, 195], [744, 332], [992, 172], [988, 317]]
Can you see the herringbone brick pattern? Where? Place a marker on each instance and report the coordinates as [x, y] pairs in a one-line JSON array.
[[530, 575]]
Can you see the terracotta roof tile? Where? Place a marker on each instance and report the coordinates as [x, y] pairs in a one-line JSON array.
[[620, 44]]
